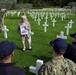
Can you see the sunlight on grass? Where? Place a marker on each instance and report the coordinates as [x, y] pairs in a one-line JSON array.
[[40, 40]]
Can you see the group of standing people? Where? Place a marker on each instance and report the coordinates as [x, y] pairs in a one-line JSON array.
[[63, 60], [71, 51]]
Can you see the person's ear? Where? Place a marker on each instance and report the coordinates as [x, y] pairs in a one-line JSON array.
[[12, 54], [75, 39], [52, 48]]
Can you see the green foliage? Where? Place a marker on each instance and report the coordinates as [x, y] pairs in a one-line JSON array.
[[44, 4], [7, 3], [26, 1], [58, 3], [23, 6], [71, 4], [4, 6], [40, 3]]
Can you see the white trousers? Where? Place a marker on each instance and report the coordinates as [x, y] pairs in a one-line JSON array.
[[26, 38]]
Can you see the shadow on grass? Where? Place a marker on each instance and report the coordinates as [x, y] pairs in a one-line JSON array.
[[18, 48], [26, 69], [12, 17], [45, 59]]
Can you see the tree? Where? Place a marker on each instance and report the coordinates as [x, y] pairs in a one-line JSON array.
[[58, 2], [72, 5], [4, 6], [26, 1]]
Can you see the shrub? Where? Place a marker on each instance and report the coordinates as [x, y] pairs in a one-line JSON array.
[[44, 4], [71, 4], [23, 6]]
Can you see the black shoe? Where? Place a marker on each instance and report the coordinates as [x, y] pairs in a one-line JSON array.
[[30, 49]]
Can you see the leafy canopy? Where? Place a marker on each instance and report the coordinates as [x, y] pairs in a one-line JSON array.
[[6, 4]]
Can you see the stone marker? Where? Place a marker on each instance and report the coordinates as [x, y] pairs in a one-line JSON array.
[[45, 26], [34, 69], [61, 35]]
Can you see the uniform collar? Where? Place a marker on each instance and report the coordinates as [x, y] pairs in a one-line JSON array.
[[6, 64], [73, 42], [60, 57]]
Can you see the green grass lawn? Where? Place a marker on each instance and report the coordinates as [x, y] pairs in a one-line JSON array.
[[41, 48]]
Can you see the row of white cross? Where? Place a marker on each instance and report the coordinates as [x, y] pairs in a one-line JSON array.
[[69, 25], [12, 13], [39, 63], [34, 69], [63, 16], [39, 15]]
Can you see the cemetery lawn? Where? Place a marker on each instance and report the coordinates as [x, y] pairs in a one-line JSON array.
[[41, 48]]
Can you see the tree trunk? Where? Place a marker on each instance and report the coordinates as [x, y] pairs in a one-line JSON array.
[[1, 22]]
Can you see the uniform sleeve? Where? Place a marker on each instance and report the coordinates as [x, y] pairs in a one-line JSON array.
[[71, 53], [72, 67], [43, 70]]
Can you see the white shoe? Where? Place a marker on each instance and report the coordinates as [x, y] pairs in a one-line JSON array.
[[24, 49]]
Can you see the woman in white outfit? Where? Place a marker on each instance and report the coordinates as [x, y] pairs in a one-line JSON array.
[[24, 31]]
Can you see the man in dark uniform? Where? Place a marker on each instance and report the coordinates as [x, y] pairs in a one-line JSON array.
[[6, 65], [71, 51], [58, 65]]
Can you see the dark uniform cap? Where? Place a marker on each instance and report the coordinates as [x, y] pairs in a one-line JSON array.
[[59, 45], [6, 48], [73, 35]]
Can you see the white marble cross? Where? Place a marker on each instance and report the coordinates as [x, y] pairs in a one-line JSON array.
[[32, 16], [5, 31], [55, 15], [61, 35], [42, 15], [45, 26], [12, 13], [71, 22], [38, 21], [67, 27], [53, 22], [28, 11], [62, 17], [46, 13], [32, 33], [34, 69], [51, 16], [35, 18], [58, 14], [46, 18]]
